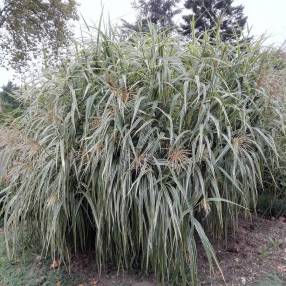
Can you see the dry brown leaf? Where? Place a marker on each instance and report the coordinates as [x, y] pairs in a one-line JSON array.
[[93, 282], [281, 268], [56, 264]]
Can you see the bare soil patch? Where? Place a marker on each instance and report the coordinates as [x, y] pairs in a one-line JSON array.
[[255, 251]]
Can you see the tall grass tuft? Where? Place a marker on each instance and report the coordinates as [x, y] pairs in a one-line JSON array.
[[140, 149], [272, 197]]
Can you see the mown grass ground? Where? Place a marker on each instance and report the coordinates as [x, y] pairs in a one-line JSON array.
[[271, 280], [29, 270]]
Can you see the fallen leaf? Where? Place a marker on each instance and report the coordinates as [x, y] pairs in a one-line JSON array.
[[56, 264], [281, 268], [93, 282]]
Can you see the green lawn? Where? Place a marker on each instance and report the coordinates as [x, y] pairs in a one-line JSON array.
[[28, 270], [271, 280]]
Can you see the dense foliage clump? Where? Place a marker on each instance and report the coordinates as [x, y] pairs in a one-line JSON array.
[[140, 148], [207, 15], [29, 27], [158, 12]]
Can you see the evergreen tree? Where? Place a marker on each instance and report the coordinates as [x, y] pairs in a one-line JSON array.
[[158, 12], [208, 14], [7, 99]]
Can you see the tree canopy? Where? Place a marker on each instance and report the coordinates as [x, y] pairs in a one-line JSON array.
[[27, 27], [159, 12], [208, 14], [6, 96]]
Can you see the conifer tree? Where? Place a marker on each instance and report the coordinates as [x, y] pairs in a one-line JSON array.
[[158, 12], [208, 14]]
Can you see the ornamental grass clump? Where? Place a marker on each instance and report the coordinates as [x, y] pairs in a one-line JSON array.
[[272, 198], [139, 149]]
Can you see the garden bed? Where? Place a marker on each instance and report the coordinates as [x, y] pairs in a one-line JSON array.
[[254, 255]]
